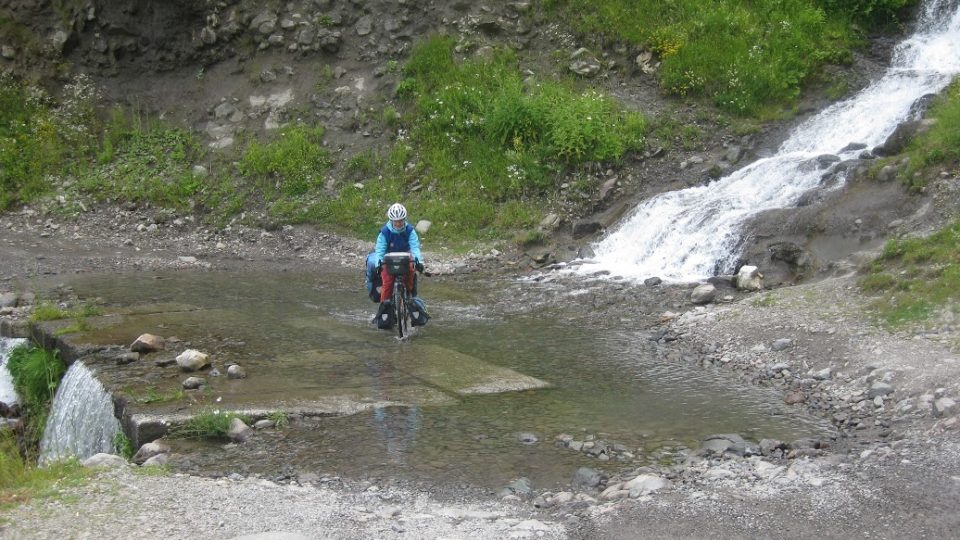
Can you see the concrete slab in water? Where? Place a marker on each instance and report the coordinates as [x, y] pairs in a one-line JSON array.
[[462, 374]]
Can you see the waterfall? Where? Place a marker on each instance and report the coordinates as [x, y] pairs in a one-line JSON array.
[[692, 233], [7, 393], [81, 421]]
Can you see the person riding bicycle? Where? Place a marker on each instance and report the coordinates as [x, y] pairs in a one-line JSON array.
[[396, 235]]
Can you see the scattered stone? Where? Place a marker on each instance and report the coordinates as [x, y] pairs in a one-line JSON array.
[[703, 294], [782, 344], [586, 477], [193, 383], [794, 397], [264, 424], [880, 389], [239, 431], [193, 360], [528, 438], [423, 226], [235, 371], [519, 487], [585, 68], [749, 278], [652, 281], [158, 460], [645, 484], [149, 450], [147, 343], [944, 406], [109, 461]]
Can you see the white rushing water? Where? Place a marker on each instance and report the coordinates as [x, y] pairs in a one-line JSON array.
[[81, 421], [7, 393], [694, 233]]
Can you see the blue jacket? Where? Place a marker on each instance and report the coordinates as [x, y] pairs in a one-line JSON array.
[[403, 240]]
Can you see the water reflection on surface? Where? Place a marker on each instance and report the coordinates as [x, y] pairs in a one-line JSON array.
[[429, 408]]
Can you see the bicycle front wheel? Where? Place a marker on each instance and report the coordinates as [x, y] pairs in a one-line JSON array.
[[402, 310]]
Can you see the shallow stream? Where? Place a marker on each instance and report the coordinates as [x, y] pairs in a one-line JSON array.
[[478, 396]]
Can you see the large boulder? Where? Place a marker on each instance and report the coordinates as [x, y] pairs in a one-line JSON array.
[[239, 431], [149, 450]]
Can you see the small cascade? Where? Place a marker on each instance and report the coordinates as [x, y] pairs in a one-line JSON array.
[[8, 394], [81, 422], [697, 232]]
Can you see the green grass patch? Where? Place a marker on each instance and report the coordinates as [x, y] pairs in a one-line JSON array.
[[207, 425], [36, 373], [123, 445], [916, 277], [749, 58], [21, 481], [152, 395], [939, 148], [292, 164]]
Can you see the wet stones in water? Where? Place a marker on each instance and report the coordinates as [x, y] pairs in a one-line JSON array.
[[147, 343], [599, 449], [586, 478], [239, 431], [528, 438], [235, 371], [718, 445], [193, 383], [652, 281], [150, 450], [192, 360], [519, 488]]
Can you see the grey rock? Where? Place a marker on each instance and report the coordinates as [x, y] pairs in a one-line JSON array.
[[104, 460], [782, 344], [769, 446], [652, 281], [364, 25], [703, 294], [550, 222], [239, 431], [585, 477], [8, 299], [645, 484], [585, 227], [147, 343], [8, 52], [585, 68], [265, 22], [528, 438], [519, 487], [192, 360], [235, 371], [158, 460], [208, 36], [149, 450], [880, 389], [944, 406], [193, 383]]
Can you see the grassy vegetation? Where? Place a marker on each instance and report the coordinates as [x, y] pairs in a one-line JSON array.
[[207, 425], [939, 148], [152, 395], [916, 277], [750, 58], [50, 312], [22, 481], [36, 373]]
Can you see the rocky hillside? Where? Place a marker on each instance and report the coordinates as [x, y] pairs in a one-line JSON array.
[[236, 70]]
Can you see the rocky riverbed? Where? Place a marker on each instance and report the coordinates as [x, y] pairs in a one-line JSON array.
[[890, 470]]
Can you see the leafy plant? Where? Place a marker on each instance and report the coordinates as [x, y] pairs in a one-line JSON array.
[[123, 445]]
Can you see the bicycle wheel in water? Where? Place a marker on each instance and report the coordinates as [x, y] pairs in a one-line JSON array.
[[401, 309]]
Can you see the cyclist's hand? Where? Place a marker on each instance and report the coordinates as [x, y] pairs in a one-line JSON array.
[[419, 265]]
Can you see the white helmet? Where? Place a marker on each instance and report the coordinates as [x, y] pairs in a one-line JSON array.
[[396, 212]]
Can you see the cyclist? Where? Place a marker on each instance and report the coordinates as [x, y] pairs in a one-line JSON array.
[[396, 236]]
